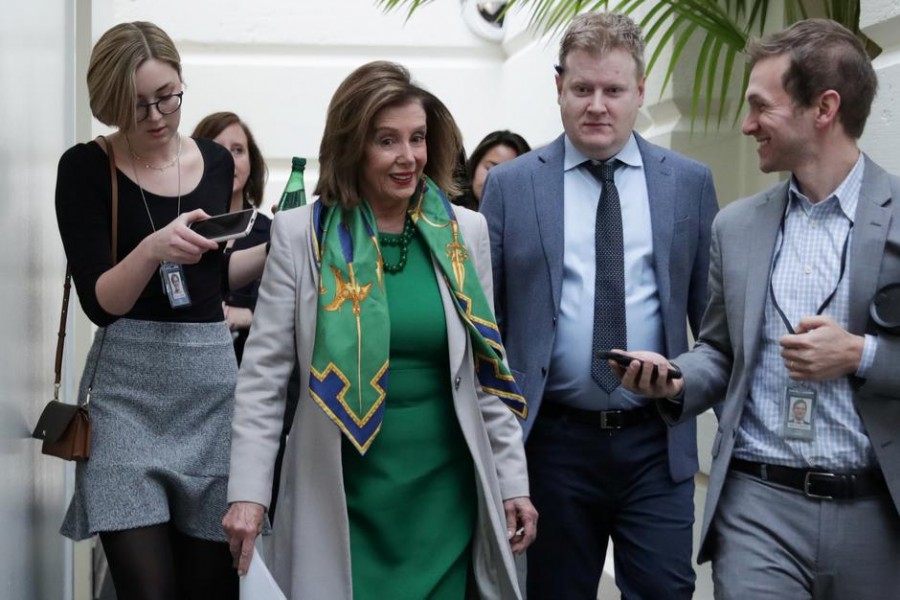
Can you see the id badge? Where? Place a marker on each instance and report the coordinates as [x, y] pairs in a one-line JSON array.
[[174, 284], [799, 413]]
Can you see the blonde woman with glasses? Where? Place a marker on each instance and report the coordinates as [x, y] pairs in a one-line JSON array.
[[162, 365]]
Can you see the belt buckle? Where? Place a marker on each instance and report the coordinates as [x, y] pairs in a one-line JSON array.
[[604, 419], [807, 479]]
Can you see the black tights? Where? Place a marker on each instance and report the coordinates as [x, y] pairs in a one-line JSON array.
[[161, 563]]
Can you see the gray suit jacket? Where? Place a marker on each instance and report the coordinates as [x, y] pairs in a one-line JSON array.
[[310, 546], [723, 361], [523, 203]]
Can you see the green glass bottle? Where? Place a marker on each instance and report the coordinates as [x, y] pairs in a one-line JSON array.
[[294, 194]]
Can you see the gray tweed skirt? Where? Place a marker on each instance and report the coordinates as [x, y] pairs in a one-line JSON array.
[[161, 408]]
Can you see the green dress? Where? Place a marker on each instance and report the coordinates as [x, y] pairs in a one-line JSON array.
[[411, 499]]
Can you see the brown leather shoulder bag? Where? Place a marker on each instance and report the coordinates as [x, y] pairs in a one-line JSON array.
[[66, 429]]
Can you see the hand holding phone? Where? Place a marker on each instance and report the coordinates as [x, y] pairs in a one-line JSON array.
[[624, 361], [227, 226]]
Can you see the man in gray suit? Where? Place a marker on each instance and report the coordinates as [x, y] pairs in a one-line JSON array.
[[800, 512], [601, 240]]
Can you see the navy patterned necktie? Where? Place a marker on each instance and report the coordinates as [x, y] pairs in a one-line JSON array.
[[610, 328]]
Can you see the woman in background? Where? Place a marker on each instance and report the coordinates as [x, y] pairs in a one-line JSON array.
[[227, 129], [250, 172], [496, 148], [161, 370], [406, 477]]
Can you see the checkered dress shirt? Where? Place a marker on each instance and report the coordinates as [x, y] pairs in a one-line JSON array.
[[806, 272]]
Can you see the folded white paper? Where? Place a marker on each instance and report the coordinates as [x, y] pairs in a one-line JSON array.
[[258, 583]]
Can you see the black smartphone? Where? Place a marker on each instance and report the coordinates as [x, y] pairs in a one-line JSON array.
[[624, 361], [227, 226]]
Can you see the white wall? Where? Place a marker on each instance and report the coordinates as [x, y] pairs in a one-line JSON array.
[[277, 63], [880, 20], [37, 108]]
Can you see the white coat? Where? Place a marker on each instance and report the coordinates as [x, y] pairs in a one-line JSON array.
[[310, 546]]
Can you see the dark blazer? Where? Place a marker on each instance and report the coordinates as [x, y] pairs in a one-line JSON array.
[[523, 204], [723, 361]]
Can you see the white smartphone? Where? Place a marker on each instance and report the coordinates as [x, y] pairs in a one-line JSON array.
[[228, 226]]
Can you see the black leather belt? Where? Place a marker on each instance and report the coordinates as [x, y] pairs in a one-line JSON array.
[[821, 485], [604, 419]]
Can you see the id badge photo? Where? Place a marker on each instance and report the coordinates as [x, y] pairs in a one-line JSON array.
[[175, 285], [799, 413]]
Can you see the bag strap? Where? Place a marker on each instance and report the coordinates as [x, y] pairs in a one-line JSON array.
[[67, 286], [61, 336], [114, 186]]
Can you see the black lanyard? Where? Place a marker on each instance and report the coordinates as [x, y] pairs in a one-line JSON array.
[[830, 297]]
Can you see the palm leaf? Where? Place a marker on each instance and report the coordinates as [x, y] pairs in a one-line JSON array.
[[553, 16], [678, 22], [723, 28], [664, 38], [698, 81], [725, 84], [678, 47], [712, 70], [412, 5]]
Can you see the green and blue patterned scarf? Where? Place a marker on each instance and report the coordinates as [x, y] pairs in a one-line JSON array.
[[350, 363]]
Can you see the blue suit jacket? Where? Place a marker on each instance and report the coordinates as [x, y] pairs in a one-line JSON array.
[[523, 204]]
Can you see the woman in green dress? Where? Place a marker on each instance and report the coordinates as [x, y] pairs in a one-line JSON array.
[[405, 476]]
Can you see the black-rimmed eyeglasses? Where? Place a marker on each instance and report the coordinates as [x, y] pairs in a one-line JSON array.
[[166, 105]]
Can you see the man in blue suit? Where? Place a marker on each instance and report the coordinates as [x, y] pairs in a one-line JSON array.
[[600, 240]]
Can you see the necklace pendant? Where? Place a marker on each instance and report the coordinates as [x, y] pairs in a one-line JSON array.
[[402, 241]]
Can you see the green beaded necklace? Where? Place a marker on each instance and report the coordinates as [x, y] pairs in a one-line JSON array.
[[402, 240]]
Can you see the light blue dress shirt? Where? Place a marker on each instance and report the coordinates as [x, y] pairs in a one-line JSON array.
[[569, 381], [806, 272]]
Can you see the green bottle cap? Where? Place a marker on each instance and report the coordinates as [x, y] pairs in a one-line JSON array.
[[298, 162]]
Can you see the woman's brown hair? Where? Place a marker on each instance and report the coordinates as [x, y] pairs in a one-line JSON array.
[[350, 121], [214, 124]]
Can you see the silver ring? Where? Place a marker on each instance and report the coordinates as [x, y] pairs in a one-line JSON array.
[[790, 365]]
